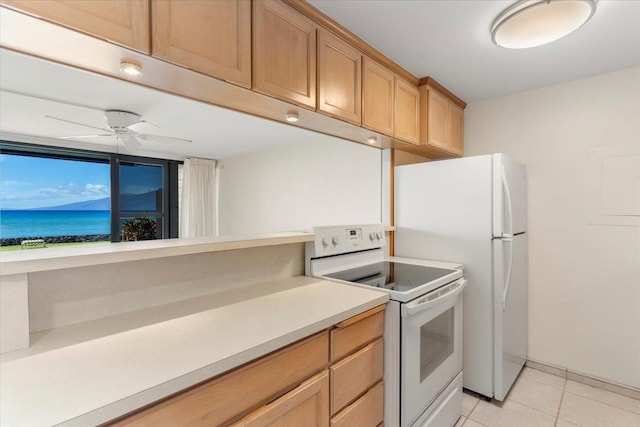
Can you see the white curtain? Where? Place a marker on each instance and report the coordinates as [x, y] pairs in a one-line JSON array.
[[198, 200]]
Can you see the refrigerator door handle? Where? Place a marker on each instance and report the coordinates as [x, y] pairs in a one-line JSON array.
[[507, 281], [507, 196]]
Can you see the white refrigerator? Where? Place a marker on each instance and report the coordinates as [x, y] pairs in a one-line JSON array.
[[473, 210]]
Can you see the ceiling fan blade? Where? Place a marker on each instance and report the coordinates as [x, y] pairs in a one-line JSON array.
[[130, 142], [76, 123], [158, 138], [83, 136], [149, 123]]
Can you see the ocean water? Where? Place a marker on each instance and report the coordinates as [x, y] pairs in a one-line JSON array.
[[32, 223]]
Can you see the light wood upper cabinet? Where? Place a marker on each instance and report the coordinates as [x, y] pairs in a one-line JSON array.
[[455, 130], [407, 112], [436, 114], [442, 126], [378, 89], [284, 53], [212, 37], [307, 405], [124, 22], [339, 78]]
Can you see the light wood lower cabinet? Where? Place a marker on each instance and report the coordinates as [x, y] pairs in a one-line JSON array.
[[307, 405], [299, 385], [124, 22], [211, 37], [354, 375], [357, 361], [366, 411], [227, 397], [355, 333]]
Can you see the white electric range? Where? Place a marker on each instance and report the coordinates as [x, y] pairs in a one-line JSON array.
[[423, 321]]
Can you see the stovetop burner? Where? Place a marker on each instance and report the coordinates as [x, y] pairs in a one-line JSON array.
[[394, 276]]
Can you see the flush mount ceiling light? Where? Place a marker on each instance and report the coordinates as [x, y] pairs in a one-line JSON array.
[[130, 68], [291, 116], [530, 23]]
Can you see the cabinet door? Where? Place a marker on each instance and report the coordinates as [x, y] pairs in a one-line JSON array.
[[437, 110], [407, 112], [124, 22], [339, 78], [284, 53], [455, 129], [212, 37], [378, 87], [306, 405]]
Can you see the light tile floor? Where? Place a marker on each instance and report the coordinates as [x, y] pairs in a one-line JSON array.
[[538, 399]]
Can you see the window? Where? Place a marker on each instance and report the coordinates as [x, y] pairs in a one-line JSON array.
[[72, 196]]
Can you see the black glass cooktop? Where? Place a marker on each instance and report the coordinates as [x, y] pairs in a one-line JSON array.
[[395, 276]]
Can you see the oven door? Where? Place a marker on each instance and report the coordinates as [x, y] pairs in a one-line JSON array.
[[431, 351]]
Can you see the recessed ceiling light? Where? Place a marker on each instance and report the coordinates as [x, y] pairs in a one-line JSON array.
[[530, 23], [291, 116], [130, 68], [372, 140]]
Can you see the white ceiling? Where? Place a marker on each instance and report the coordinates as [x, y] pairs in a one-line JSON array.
[[31, 88], [450, 41]]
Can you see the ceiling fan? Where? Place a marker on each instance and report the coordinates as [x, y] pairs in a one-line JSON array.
[[121, 124]]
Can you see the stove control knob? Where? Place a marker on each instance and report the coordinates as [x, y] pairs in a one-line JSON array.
[[335, 240], [379, 235], [372, 236], [326, 241]]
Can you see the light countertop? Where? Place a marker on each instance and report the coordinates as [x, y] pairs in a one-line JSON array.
[[96, 380], [42, 259]]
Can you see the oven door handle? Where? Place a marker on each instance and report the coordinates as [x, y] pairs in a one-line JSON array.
[[433, 298]]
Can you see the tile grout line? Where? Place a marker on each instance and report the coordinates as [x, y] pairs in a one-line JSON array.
[[604, 403], [470, 412], [564, 387]]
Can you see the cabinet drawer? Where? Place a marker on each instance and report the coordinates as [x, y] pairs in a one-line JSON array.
[[233, 394], [348, 337], [366, 411], [306, 405], [355, 374]]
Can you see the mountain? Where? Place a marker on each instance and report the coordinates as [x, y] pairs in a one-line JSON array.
[[128, 202], [89, 205]]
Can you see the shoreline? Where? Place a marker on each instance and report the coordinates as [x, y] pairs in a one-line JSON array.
[[15, 241]]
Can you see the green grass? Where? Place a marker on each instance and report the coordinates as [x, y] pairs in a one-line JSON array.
[[49, 245]]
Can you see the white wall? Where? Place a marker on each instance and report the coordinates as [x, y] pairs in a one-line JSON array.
[[64, 297], [298, 186], [584, 277]]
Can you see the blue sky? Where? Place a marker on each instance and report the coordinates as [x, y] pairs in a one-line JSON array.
[[31, 182]]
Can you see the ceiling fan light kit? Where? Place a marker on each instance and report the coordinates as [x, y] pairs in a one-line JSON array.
[[530, 23]]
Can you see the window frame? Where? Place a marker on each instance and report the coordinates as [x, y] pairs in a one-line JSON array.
[[170, 203]]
